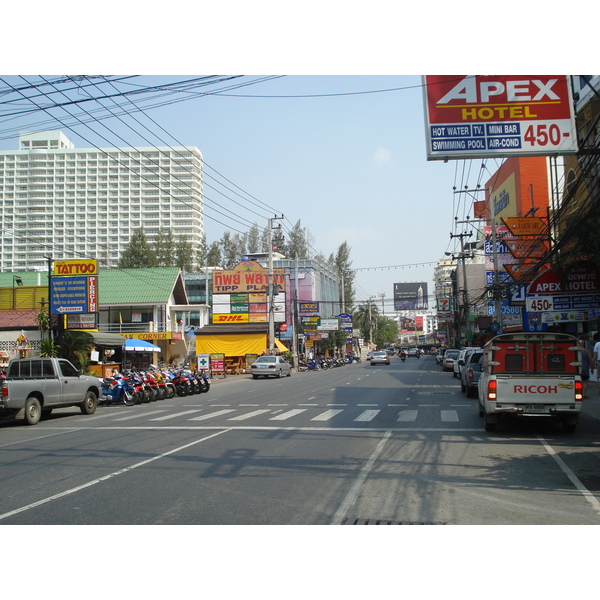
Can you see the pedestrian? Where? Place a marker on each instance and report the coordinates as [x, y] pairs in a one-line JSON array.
[[587, 364], [596, 351]]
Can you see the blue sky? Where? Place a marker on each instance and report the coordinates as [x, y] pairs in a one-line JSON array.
[[347, 159]]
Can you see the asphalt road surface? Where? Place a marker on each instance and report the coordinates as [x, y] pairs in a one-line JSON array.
[[359, 444]]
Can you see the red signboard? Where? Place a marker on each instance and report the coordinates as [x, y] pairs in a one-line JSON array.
[[582, 279], [477, 116]]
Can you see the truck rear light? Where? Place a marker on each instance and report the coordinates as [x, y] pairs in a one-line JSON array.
[[491, 391], [578, 391]]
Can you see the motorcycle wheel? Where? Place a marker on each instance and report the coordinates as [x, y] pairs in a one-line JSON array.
[[205, 387], [170, 391], [180, 390], [128, 398]]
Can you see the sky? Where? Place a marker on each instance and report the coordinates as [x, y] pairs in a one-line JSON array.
[[344, 155], [331, 133]]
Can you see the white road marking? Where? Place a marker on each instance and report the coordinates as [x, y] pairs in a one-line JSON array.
[[249, 415], [211, 415], [328, 414], [408, 415], [288, 414], [368, 415], [174, 415], [138, 415], [354, 492], [574, 479], [449, 416]]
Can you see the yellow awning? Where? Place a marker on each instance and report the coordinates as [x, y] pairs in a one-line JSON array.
[[235, 344]]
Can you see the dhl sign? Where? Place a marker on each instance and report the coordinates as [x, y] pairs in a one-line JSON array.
[[230, 318]]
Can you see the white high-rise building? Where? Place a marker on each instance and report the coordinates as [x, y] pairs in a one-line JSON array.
[[64, 202]]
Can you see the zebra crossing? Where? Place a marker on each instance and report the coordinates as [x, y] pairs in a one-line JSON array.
[[279, 413]]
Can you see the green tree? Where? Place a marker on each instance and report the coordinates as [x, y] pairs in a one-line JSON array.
[[165, 248], [42, 320], [297, 245], [253, 239], [343, 264], [365, 318], [48, 349], [387, 331], [213, 255], [184, 255], [139, 253], [75, 349]]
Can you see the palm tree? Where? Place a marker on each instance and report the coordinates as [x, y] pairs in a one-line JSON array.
[[75, 349], [365, 318]]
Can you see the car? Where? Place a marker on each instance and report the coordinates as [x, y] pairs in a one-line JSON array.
[[369, 354], [449, 357], [471, 356], [413, 352], [472, 375], [460, 358], [380, 357], [270, 366]]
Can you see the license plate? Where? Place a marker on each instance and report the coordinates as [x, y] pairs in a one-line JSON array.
[[534, 407]]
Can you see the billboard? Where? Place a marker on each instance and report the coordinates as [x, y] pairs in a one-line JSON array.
[[410, 296], [488, 116]]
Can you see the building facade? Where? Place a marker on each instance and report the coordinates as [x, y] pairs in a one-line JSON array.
[[70, 202]]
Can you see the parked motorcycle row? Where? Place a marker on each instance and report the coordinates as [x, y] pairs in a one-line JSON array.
[[316, 364], [135, 387]]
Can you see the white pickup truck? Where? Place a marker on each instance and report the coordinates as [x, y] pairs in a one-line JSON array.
[[532, 375], [34, 386]]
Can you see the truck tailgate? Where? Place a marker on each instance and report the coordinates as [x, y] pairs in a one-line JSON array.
[[537, 394]]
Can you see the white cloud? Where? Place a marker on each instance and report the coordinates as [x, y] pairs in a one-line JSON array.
[[382, 155]]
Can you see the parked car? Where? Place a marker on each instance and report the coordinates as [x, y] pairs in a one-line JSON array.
[[450, 356], [471, 356], [460, 358], [270, 366], [380, 357], [473, 374], [369, 354]]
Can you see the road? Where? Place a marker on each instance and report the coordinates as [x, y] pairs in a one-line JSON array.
[[396, 444]]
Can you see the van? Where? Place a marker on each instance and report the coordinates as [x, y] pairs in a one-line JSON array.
[[531, 375]]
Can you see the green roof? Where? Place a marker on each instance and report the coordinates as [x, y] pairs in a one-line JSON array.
[[121, 286]]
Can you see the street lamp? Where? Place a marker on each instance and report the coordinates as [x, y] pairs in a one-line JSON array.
[[16, 280]]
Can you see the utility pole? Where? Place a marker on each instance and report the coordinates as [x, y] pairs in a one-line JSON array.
[[270, 286], [464, 272]]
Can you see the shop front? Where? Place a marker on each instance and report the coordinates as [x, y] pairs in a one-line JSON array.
[[106, 353], [235, 343]]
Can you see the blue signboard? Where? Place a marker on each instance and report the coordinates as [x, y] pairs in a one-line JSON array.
[[73, 295]]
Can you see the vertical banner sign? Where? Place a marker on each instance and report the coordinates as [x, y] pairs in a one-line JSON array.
[[487, 116]]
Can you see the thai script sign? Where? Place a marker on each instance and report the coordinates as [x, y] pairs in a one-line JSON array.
[[477, 116], [247, 277]]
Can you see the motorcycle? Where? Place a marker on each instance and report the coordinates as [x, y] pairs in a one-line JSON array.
[[117, 390], [402, 357], [182, 384], [204, 380]]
